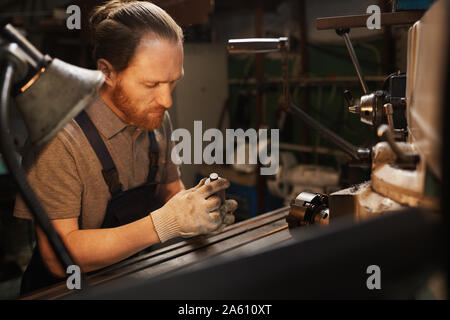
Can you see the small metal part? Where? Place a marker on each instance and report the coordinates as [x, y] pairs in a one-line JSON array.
[[213, 177], [404, 160], [308, 208], [371, 108], [368, 109], [390, 115], [384, 106], [348, 97], [355, 109], [399, 134], [364, 153]]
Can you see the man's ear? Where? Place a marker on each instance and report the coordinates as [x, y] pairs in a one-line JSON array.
[[108, 70]]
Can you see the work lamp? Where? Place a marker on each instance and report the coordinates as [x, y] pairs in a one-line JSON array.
[[48, 93]]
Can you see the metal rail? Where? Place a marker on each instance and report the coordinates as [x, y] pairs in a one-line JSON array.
[[264, 230]]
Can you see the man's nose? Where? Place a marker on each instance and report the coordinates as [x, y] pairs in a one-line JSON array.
[[165, 96]]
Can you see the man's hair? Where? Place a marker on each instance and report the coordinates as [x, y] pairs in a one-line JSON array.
[[118, 25]]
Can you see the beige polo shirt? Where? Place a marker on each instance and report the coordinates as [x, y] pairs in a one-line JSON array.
[[66, 175]]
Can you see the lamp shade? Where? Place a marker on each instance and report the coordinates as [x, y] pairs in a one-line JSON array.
[[58, 94]]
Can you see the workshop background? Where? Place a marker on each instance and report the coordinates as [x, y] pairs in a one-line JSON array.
[[239, 91]]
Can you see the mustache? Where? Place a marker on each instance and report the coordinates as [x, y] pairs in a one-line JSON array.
[[156, 110]]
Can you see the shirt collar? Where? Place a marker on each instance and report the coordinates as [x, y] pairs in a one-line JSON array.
[[104, 119]]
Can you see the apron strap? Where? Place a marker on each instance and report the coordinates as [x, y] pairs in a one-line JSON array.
[[153, 157], [110, 173]]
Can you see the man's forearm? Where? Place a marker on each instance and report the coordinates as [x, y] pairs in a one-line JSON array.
[[93, 249]]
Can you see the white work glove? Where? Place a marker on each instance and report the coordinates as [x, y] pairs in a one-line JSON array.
[[193, 212], [227, 210]]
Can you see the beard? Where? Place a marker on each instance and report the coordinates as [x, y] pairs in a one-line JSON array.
[[148, 118]]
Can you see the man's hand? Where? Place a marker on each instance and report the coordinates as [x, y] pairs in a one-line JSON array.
[[194, 211], [227, 210]]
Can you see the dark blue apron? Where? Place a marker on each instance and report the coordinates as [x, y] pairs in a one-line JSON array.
[[124, 206]]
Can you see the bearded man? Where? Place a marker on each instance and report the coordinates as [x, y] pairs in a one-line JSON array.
[[107, 180]]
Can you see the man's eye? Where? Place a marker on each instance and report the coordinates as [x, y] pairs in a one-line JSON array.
[[153, 85]]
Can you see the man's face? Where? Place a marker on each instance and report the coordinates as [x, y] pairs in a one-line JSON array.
[[142, 92]]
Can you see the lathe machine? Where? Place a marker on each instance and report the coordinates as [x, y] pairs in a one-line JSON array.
[[321, 245]]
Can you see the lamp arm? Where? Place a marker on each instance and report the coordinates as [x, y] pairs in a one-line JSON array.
[[7, 148]]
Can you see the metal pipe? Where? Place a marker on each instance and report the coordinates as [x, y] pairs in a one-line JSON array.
[[310, 149], [37, 59], [352, 53], [285, 71], [353, 151]]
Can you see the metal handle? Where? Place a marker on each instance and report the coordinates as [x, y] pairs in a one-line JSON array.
[[353, 151], [388, 109], [37, 59], [351, 51], [404, 160]]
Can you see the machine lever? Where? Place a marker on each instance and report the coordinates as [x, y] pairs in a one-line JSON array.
[[355, 152], [404, 160], [344, 33]]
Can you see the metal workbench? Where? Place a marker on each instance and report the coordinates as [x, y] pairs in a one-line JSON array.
[[241, 238], [261, 258]]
